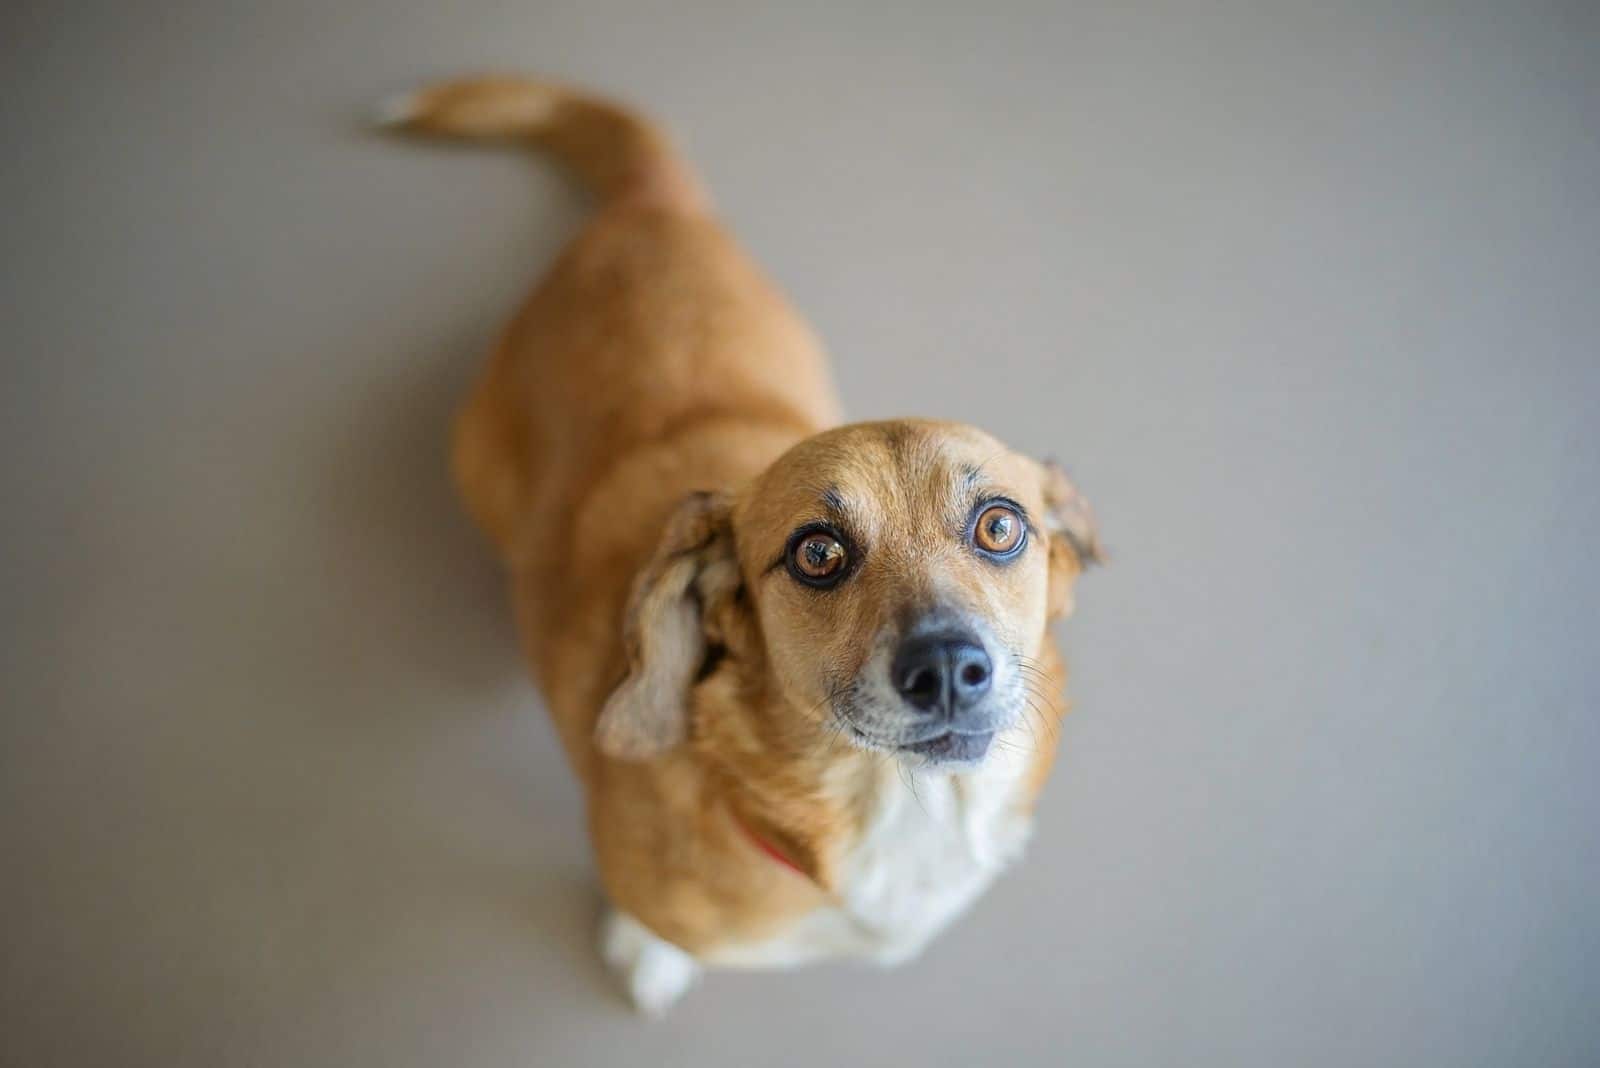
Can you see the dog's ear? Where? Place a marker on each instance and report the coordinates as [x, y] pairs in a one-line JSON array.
[[1074, 538], [679, 594]]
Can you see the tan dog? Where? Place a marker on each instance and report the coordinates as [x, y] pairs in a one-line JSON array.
[[803, 672]]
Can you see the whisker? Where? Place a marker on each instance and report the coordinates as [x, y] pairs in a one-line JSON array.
[[910, 778], [1051, 727]]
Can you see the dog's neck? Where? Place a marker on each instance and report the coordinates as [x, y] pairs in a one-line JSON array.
[[801, 791]]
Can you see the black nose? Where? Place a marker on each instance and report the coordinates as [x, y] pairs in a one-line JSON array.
[[941, 672]]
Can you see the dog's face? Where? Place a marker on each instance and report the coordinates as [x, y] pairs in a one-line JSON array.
[[899, 575]]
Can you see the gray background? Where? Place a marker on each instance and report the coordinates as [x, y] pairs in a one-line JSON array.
[[1306, 300]]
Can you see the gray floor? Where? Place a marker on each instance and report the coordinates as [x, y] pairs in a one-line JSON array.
[[1308, 303]]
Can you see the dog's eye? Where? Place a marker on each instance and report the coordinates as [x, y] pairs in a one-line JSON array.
[[999, 530], [818, 558]]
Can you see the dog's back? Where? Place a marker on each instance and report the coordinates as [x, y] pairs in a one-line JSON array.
[[653, 360]]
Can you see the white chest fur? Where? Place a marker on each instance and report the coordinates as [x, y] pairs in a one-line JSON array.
[[930, 846], [933, 844]]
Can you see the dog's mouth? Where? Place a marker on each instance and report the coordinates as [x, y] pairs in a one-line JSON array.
[[953, 747], [947, 746]]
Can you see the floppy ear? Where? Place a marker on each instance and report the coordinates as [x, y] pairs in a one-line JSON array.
[[1074, 539], [692, 574]]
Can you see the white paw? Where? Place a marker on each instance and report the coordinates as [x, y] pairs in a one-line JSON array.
[[654, 972]]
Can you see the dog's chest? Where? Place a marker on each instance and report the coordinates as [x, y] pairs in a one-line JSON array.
[[930, 846]]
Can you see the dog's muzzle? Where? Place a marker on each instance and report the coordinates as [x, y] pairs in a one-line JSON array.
[[944, 677]]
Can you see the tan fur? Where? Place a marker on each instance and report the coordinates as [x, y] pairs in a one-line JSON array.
[[653, 424]]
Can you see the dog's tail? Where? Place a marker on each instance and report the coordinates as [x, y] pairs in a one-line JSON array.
[[615, 152]]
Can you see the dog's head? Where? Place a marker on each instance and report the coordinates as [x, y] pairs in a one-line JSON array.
[[891, 581]]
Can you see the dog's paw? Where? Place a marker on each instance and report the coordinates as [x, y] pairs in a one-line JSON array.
[[655, 973]]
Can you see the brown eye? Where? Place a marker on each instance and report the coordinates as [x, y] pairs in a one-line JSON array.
[[818, 557], [999, 530]]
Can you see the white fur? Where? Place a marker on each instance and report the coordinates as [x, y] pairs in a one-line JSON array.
[[655, 973], [396, 109], [934, 842]]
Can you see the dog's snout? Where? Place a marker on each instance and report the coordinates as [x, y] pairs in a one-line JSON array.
[[942, 673]]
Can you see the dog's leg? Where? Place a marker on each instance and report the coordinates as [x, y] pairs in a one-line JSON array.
[[656, 973]]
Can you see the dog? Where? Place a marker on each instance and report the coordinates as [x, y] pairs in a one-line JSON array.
[[802, 669]]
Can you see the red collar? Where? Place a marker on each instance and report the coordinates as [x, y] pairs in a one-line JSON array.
[[762, 844]]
